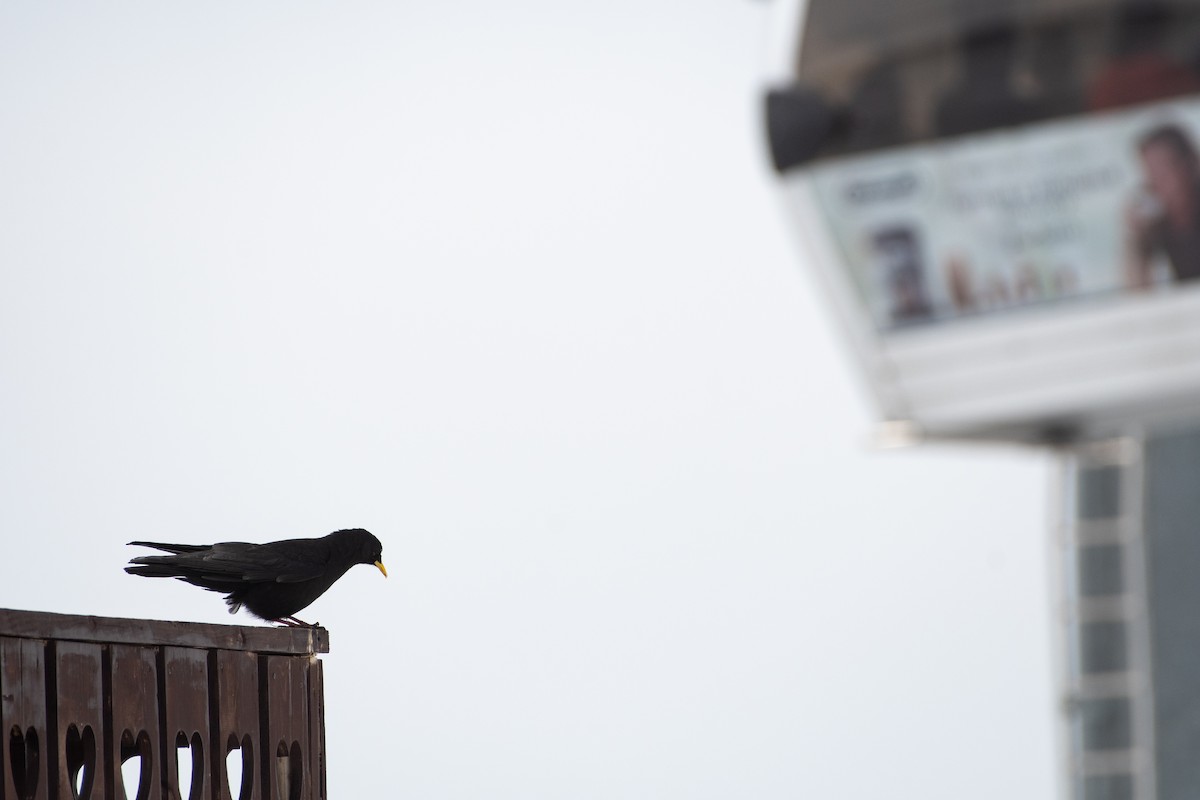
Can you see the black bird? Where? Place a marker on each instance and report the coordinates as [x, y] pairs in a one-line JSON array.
[[273, 581]]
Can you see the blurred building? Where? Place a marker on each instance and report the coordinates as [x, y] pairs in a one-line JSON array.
[[1002, 200]]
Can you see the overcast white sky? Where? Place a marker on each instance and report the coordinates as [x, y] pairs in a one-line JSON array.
[[507, 284]]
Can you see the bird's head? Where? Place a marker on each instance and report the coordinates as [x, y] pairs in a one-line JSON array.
[[362, 546]]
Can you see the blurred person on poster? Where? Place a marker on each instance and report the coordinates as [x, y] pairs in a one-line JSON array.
[[898, 260], [1163, 217], [961, 283], [1029, 287]]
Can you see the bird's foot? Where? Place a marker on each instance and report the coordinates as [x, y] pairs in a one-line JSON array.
[[293, 622]]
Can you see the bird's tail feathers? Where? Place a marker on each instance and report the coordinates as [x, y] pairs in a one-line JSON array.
[[173, 548], [151, 570]]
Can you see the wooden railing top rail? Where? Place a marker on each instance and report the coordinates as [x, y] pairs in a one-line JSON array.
[[120, 630]]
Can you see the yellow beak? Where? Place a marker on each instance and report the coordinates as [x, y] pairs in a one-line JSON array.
[[382, 568]]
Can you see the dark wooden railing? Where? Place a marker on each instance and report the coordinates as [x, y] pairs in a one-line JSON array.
[[89, 702]]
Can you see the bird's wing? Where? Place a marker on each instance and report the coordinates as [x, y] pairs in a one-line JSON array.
[[291, 561], [228, 565]]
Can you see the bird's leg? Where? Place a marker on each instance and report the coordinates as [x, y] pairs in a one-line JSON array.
[[293, 622]]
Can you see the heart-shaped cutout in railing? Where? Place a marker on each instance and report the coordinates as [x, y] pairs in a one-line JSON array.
[[289, 771], [80, 750], [137, 761], [239, 767], [24, 758], [189, 766]]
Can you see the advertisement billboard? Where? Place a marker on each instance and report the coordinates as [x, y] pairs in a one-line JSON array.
[[1023, 218]]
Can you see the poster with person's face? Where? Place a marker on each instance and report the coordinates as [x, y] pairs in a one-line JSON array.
[[1052, 212]]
